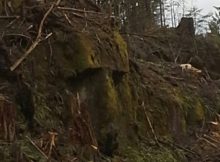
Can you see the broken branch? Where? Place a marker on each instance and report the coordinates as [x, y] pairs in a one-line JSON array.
[[79, 10], [37, 147], [150, 124], [37, 40]]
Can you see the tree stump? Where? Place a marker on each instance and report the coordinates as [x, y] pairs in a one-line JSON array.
[[186, 27]]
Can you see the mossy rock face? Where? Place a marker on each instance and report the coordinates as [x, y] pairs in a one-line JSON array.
[[78, 52], [172, 110], [74, 56], [122, 49], [109, 102], [169, 113], [174, 113], [111, 98], [73, 53], [195, 112]]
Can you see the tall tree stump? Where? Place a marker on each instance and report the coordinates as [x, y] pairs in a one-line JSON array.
[[186, 27]]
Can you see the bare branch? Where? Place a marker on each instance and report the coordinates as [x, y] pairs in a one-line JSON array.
[[37, 40], [79, 10], [32, 142], [10, 17]]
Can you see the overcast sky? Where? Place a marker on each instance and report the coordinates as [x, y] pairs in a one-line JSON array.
[[206, 5]]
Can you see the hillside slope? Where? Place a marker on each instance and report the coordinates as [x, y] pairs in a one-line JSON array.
[[85, 93]]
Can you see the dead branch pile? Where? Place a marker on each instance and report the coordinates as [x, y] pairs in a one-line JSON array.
[[23, 32]]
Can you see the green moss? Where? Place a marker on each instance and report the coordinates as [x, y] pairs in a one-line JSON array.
[[110, 98], [191, 105], [178, 96], [175, 109], [116, 97], [105, 104], [122, 46], [198, 112], [125, 96], [83, 53], [76, 54], [194, 109], [167, 111]]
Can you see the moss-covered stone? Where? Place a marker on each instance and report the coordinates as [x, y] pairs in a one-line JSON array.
[[75, 55], [195, 112], [122, 48], [109, 96]]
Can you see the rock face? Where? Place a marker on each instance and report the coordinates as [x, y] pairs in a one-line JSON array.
[[93, 96]]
